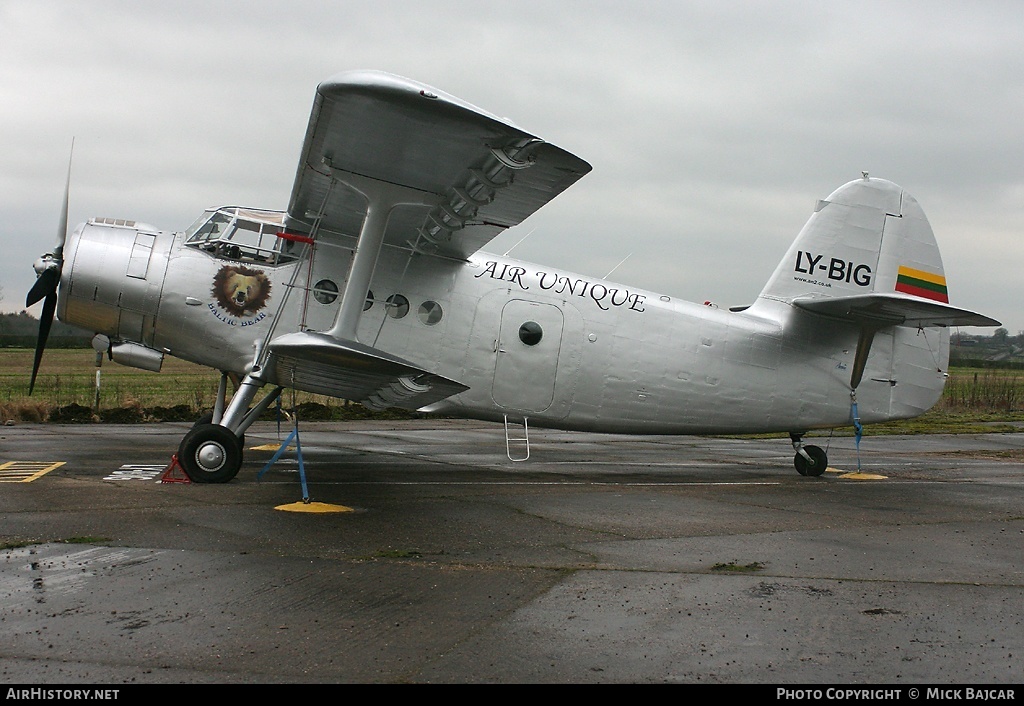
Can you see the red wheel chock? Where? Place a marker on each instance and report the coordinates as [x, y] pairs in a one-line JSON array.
[[174, 473]]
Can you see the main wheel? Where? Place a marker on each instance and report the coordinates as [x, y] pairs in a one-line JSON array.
[[208, 419], [210, 453], [813, 467]]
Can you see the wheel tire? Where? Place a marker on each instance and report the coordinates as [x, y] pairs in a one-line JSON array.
[[208, 419], [210, 453], [815, 466]]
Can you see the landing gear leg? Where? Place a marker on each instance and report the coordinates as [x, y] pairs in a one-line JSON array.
[[809, 460], [212, 452]]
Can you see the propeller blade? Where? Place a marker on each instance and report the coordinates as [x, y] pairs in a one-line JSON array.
[[46, 284], [45, 321], [62, 227], [49, 269]]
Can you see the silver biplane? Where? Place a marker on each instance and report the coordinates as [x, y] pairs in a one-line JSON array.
[[373, 287]]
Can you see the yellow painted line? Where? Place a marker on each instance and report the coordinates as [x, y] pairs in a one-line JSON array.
[[26, 471], [313, 507], [855, 475], [270, 447]]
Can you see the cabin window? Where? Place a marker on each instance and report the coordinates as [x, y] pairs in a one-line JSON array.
[[325, 291], [530, 333], [430, 313], [397, 306], [369, 300]]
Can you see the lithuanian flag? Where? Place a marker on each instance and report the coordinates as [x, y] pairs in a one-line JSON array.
[[922, 284]]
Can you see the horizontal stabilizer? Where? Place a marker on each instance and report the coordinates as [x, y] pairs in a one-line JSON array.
[[324, 365], [893, 310]]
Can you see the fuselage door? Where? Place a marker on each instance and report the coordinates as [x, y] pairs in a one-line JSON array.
[[527, 356]]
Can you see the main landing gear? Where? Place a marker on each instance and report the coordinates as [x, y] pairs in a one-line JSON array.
[[809, 460], [211, 451]]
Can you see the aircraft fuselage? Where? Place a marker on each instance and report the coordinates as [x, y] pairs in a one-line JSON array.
[[559, 348]]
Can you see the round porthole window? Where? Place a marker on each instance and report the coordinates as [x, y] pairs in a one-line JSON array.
[[530, 333], [325, 291], [398, 306], [369, 300], [430, 313]]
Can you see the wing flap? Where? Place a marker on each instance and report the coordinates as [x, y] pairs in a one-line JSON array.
[[321, 364], [893, 310], [479, 173]]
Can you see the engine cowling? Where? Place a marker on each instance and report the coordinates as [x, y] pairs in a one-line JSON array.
[[112, 278]]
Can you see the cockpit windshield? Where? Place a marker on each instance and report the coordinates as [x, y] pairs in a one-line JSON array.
[[244, 234]]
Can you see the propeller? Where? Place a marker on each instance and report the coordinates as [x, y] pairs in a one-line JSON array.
[[48, 268]]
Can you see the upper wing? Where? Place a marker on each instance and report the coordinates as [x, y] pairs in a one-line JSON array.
[[479, 174], [893, 309]]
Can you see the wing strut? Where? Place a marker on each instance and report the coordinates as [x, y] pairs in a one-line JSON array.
[[381, 199]]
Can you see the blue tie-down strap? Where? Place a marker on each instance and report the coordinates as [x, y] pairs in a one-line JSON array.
[[858, 428], [298, 453]]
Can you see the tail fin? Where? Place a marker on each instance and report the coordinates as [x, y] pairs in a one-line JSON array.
[[868, 255]]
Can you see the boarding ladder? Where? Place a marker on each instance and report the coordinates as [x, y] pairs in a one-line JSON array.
[[524, 440]]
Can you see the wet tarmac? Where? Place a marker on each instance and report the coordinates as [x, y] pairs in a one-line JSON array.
[[601, 559]]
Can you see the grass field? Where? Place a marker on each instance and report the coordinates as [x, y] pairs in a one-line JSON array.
[[67, 378], [975, 399]]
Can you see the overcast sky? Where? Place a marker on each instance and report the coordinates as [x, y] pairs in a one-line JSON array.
[[712, 127]]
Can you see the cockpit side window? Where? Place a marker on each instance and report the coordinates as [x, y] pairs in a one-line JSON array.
[[245, 235]]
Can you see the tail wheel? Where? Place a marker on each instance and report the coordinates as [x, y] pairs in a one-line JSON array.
[[210, 453], [814, 466]]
